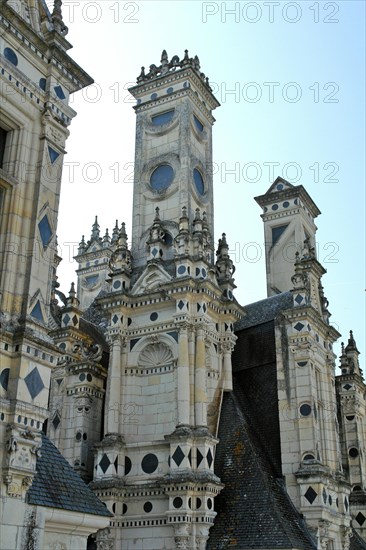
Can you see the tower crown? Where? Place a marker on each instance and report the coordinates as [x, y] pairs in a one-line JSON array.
[[173, 153], [171, 77]]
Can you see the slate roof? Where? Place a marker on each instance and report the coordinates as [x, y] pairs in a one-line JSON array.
[[253, 510], [357, 543], [264, 310], [57, 485]]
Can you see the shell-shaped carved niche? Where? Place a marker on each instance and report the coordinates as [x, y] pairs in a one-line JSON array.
[[155, 355]]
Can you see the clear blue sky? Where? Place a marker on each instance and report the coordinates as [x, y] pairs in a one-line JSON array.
[[290, 77]]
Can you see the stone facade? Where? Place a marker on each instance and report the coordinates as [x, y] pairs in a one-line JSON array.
[[131, 373], [37, 78]]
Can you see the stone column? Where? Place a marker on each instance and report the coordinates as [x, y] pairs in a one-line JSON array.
[[183, 379], [228, 378], [113, 392], [200, 392]]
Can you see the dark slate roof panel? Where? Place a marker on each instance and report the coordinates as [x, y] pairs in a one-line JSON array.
[[264, 310], [255, 347], [57, 485], [357, 543], [253, 510]]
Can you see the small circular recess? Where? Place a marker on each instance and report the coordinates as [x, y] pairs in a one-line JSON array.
[[177, 502], [162, 177], [148, 507], [305, 410], [353, 452], [149, 463], [154, 316]]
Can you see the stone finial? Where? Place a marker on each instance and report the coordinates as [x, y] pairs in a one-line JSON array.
[[82, 245], [72, 292], [57, 20], [167, 66], [351, 346], [115, 233], [106, 239], [95, 230]]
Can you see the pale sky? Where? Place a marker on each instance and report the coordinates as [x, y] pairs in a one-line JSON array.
[[290, 77]]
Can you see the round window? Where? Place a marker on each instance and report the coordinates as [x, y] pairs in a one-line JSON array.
[[198, 181], [162, 177]]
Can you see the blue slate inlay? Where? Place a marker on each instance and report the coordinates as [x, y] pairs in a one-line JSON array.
[[56, 421], [299, 299], [104, 463], [53, 154], [199, 457], [45, 230], [310, 495], [181, 269], [149, 463], [178, 456], [133, 342], [42, 84], [181, 304], [163, 118], [115, 318], [277, 232], [162, 177], [198, 181], [37, 312], [11, 56], [91, 279], [198, 123], [66, 319], [209, 458], [299, 326], [173, 335], [59, 92], [34, 383], [154, 316], [4, 378]]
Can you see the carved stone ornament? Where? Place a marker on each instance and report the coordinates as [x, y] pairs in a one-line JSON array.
[[181, 537], [105, 540], [323, 534], [155, 355], [347, 534]]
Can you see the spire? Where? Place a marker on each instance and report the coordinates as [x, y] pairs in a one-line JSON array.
[[82, 245], [351, 346], [349, 362], [106, 239], [57, 20], [95, 230], [115, 233]]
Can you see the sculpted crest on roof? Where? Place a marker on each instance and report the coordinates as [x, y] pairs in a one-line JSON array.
[[174, 64]]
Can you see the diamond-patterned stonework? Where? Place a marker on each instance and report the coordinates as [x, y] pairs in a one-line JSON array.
[[299, 326], [66, 319], [310, 495], [209, 458], [199, 457], [299, 299], [347, 387], [56, 421], [178, 456], [104, 463], [34, 383], [360, 518]]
